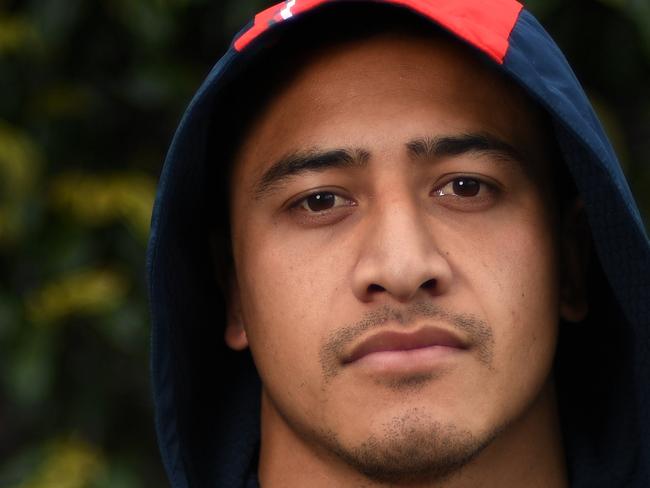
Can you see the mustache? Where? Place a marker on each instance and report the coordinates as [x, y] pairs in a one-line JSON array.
[[477, 331]]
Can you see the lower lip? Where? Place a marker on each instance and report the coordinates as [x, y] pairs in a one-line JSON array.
[[407, 361]]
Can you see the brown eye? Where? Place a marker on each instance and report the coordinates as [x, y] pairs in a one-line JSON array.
[[319, 202], [321, 208], [463, 186], [466, 187]]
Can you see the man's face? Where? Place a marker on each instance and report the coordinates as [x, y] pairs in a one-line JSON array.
[[396, 271]]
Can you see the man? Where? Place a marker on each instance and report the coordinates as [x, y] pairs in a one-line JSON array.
[[400, 251]]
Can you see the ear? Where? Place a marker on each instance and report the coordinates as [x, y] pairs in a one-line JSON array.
[[235, 334], [576, 249]]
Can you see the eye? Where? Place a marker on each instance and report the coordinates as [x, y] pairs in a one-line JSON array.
[[468, 193], [322, 201], [462, 187]]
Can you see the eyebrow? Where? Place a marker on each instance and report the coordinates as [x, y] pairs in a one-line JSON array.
[[456, 145], [316, 160], [313, 160]]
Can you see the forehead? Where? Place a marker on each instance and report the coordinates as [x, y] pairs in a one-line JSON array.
[[350, 93]]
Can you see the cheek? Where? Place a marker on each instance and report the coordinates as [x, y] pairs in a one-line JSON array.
[[288, 296], [520, 299]]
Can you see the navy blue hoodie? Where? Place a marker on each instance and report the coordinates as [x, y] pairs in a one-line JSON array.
[[207, 396]]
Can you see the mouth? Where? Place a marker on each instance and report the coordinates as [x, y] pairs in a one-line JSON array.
[[413, 350]]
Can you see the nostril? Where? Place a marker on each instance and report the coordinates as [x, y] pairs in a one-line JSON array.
[[374, 288], [429, 284]]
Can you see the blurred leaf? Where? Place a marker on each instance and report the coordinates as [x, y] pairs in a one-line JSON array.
[[20, 165], [88, 292], [11, 224], [15, 33], [20, 159], [98, 200], [69, 463]]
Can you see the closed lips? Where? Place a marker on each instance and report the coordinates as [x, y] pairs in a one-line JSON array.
[[404, 341]]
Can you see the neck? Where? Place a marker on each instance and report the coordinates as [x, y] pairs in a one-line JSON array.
[[528, 452]]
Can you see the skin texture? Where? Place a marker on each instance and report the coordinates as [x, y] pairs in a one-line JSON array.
[[398, 248]]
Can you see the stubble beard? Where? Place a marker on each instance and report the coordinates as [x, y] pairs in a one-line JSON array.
[[412, 448]]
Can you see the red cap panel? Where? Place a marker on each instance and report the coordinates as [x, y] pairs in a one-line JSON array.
[[486, 24]]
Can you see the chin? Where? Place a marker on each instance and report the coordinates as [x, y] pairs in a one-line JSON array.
[[410, 447]]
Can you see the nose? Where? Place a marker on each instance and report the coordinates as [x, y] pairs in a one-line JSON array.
[[399, 256]]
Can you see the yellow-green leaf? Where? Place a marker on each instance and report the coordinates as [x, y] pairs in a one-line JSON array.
[[87, 291]]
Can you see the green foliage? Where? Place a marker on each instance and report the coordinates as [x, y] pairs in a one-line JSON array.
[[20, 162], [66, 463], [90, 93]]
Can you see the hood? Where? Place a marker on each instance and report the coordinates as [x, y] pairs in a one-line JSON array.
[[207, 396]]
